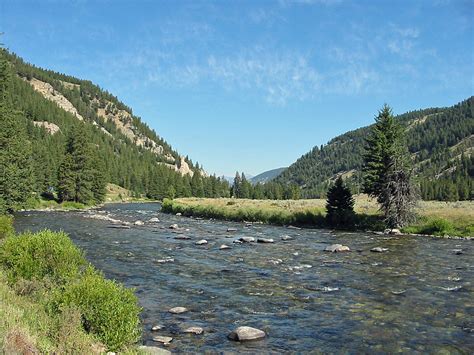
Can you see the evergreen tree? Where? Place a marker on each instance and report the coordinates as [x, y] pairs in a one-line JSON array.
[[388, 176], [340, 205], [237, 187], [15, 150]]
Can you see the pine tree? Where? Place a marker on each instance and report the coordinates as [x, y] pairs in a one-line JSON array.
[[340, 205], [237, 187], [16, 183], [388, 176]]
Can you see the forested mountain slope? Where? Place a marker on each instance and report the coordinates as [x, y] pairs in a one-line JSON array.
[[266, 176], [132, 154], [441, 141]]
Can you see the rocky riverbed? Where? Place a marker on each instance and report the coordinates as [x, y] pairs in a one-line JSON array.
[[298, 290]]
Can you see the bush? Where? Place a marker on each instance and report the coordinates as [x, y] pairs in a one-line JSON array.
[[6, 226], [41, 255], [108, 309], [433, 226]]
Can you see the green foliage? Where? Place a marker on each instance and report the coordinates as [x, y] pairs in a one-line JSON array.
[[109, 310], [15, 150], [340, 206], [6, 226], [436, 140], [434, 226], [41, 255]]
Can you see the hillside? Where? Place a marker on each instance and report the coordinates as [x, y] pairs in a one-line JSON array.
[[266, 176], [441, 141], [133, 156]]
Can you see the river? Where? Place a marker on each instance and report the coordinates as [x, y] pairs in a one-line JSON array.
[[415, 297]]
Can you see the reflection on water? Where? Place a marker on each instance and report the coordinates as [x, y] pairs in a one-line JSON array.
[[417, 296]]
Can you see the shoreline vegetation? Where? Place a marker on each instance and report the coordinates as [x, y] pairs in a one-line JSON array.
[[435, 218], [52, 300]]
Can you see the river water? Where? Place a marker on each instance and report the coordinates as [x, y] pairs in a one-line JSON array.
[[417, 297]]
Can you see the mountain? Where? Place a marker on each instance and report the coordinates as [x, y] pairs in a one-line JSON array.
[[440, 140], [266, 176], [134, 156]]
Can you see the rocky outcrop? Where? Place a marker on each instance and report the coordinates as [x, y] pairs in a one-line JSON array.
[[48, 92], [51, 128]]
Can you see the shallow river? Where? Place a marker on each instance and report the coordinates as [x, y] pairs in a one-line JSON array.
[[416, 297]]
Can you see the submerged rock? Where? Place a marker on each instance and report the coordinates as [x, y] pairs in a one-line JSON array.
[[178, 310], [224, 247], [162, 339], [265, 240], [246, 334], [194, 330], [247, 239], [231, 229], [201, 242], [457, 251], [337, 248], [165, 260], [286, 237], [378, 250], [182, 237]]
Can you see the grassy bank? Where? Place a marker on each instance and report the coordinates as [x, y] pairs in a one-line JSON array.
[[53, 301], [436, 218]]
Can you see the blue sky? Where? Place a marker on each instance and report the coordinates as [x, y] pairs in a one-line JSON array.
[[253, 85]]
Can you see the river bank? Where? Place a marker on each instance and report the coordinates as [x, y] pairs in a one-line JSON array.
[[441, 219]]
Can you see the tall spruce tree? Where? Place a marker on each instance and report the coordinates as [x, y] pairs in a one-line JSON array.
[[15, 150], [387, 171], [340, 206]]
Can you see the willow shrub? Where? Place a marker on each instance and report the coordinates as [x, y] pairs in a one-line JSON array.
[[6, 226]]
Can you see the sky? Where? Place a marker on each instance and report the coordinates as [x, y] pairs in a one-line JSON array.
[[253, 85]]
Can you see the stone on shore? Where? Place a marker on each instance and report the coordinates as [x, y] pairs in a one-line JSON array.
[[337, 248], [153, 350], [246, 334], [178, 310]]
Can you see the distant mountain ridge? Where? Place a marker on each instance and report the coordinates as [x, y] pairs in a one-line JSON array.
[[267, 176], [441, 141]]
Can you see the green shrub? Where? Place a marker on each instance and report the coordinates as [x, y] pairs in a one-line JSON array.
[[433, 226], [6, 226], [109, 310], [71, 205], [41, 255]]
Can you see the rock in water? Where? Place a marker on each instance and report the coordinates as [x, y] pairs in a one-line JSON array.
[[153, 350], [162, 339], [201, 242], [378, 250], [153, 220], [224, 247], [286, 237], [246, 334], [337, 248], [265, 240], [139, 223], [247, 239], [155, 328], [178, 310], [174, 226], [182, 237], [231, 229], [194, 330], [179, 214]]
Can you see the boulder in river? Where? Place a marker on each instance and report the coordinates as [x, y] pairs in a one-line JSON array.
[[246, 334], [201, 242], [162, 339], [153, 220], [265, 240], [378, 250], [178, 310], [179, 214], [139, 223], [286, 237], [393, 231], [194, 330], [157, 327], [182, 237], [457, 251], [247, 239], [337, 248], [224, 247], [230, 229], [174, 226]]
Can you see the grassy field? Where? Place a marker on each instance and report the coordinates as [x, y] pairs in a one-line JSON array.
[[434, 217]]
